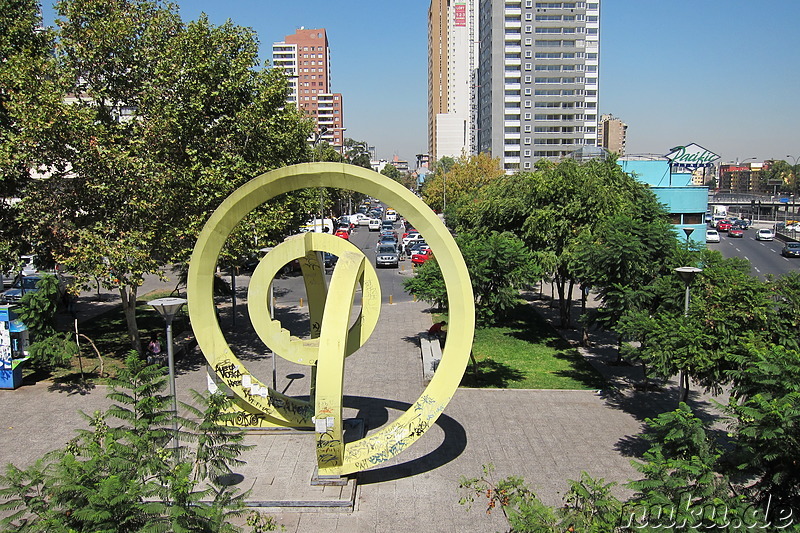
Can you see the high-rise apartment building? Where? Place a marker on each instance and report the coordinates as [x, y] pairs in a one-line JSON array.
[[612, 134], [452, 55], [537, 79], [305, 57]]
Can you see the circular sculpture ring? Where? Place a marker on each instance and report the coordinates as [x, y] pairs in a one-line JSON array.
[[333, 456]]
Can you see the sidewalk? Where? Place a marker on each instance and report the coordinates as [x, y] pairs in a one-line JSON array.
[[544, 436]]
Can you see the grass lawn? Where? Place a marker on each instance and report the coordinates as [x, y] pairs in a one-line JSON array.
[[527, 353]]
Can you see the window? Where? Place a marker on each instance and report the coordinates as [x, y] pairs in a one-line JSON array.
[[527, 140], [527, 91], [528, 16], [527, 116], [527, 128], [528, 3], [526, 164], [528, 54], [527, 103], [528, 28], [528, 66], [528, 79], [527, 153]]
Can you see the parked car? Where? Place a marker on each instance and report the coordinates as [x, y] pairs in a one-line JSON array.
[[736, 232], [374, 224], [330, 259], [791, 249], [27, 284], [387, 255], [712, 235], [723, 225], [765, 235], [421, 257], [412, 237]]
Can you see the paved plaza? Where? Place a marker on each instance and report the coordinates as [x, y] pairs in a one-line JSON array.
[[545, 436]]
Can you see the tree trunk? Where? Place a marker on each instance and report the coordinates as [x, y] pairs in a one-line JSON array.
[[683, 396], [128, 294], [562, 302]]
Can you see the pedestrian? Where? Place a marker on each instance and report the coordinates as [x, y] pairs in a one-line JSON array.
[[154, 350], [436, 329]]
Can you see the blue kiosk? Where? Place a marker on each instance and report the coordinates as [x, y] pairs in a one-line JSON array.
[[13, 347]]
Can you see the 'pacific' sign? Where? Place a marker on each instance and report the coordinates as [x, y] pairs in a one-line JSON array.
[[691, 156]]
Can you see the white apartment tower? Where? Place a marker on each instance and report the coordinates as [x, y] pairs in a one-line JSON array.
[[452, 55], [537, 79]]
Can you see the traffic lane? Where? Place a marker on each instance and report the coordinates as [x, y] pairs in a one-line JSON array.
[[764, 256], [391, 279]]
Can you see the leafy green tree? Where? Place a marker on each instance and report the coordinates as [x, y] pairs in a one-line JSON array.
[[728, 308], [464, 177], [391, 171], [428, 284], [499, 265], [121, 474], [765, 408], [621, 258], [160, 121], [48, 349], [357, 153], [26, 89]]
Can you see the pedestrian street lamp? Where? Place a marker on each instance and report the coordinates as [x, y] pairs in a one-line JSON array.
[[168, 308], [688, 232], [687, 274]]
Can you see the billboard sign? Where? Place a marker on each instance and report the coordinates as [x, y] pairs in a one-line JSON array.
[[460, 11], [691, 157]]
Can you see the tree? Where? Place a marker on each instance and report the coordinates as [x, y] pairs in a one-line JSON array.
[[765, 408], [465, 176], [26, 83], [391, 172], [728, 308], [160, 122], [499, 265], [119, 476], [357, 153], [428, 284], [48, 349]]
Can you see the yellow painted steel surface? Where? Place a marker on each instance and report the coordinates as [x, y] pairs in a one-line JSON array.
[[330, 308]]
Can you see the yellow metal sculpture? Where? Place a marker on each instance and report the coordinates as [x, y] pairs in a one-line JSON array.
[[332, 340]]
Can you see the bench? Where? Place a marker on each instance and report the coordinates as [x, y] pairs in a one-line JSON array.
[[431, 352]]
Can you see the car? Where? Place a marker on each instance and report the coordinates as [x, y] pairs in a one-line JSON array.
[[343, 233], [387, 224], [712, 235], [723, 225], [330, 259], [412, 237], [374, 224], [765, 235], [736, 232], [421, 257], [387, 255], [742, 223], [391, 215], [27, 284], [791, 249]]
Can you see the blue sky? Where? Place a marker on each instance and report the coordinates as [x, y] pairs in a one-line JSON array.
[[720, 73]]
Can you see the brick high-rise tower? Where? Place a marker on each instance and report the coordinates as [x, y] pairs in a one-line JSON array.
[[305, 57]]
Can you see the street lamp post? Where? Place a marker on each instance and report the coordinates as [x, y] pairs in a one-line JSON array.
[[687, 274], [168, 308], [688, 232]]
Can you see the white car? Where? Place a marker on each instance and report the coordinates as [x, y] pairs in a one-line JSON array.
[[374, 224], [712, 235], [765, 235]]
